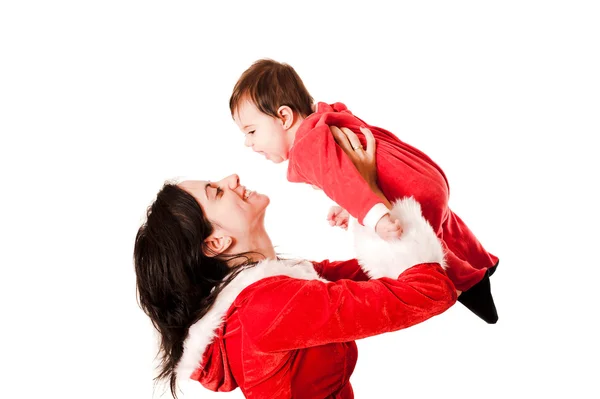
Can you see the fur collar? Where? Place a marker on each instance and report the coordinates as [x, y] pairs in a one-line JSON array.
[[202, 333]]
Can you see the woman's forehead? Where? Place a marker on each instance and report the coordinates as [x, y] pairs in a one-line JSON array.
[[193, 184], [195, 187]]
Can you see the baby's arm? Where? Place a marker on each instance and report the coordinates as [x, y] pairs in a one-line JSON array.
[[336, 161], [319, 161], [365, 162]]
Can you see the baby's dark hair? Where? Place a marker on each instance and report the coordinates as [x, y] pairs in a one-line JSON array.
[[269, 85]]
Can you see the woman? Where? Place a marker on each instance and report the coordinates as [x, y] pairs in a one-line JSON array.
[[231, 314]]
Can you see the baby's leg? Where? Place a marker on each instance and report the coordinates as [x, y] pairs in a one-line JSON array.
[[470, 267]]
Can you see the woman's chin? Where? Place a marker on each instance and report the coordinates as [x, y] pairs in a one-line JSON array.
[[261, 199]]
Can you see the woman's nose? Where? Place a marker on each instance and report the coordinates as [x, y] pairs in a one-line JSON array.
[[232, 181]]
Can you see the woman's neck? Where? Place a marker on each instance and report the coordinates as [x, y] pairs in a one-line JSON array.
[[258, 247]]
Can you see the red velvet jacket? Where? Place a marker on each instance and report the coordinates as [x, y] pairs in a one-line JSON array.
[[285, 329], [402, 171]]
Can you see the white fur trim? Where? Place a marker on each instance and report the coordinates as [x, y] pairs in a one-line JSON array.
[[202, 333], [417, 244], [378, 211]]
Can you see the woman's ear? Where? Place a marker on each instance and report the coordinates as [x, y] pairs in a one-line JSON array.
[[286, 115], [216, 244]]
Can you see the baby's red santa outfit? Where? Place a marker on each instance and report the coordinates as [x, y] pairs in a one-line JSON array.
[[402, 171]]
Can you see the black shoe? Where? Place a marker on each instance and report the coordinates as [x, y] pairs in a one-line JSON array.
[[492, 270], [478, 299]]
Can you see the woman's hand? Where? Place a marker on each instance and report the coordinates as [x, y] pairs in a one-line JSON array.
[[362, 158]]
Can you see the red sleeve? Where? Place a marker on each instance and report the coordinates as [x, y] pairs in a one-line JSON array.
[[293, 314], [319, 161], [338, 270]]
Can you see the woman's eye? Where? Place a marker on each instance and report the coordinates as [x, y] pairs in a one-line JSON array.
[[219, 192]]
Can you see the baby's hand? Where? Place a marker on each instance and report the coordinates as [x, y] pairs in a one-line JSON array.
[[338, 216], [387, 228]]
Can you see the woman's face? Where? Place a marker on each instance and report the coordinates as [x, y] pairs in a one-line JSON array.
[[228, 205]]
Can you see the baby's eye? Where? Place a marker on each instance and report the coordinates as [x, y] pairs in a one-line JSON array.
[[219, 191], [251, 132]]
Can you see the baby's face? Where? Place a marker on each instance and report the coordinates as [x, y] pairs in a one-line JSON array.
[[264, 133]]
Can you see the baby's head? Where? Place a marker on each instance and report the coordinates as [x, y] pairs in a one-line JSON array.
[[268, 103]]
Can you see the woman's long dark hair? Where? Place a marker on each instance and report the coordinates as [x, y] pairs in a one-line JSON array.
[[176, 282]]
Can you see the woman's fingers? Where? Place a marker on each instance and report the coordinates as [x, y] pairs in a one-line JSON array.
[[355, 143], [353, 139], [341, 139], [349, 141], [370, 139]]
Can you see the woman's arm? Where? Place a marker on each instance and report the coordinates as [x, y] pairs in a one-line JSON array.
[[409, 286], [291, 314]]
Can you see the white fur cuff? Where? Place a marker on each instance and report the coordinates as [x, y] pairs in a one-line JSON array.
[[418, 243]]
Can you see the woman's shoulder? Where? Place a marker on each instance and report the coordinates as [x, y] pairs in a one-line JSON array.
[[254, 291], [270, 275]]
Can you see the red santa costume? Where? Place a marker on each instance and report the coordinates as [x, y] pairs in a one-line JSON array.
[[402, 171], [286, 329]]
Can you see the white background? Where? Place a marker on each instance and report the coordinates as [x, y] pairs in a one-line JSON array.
[[100, 102]]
